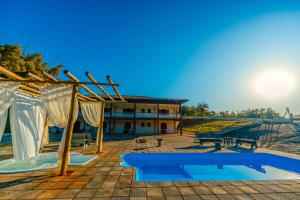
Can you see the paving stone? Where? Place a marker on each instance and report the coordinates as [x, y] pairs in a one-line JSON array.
[[209, 197], [138, 192], [260, 197], [232, 190], [277, 196], [174, 198], [202, 190], [186, 191], [226, 197], [49, 194], [247, 189], [217, 190], [104, 192], [154, 192], [86, 193], [121, 192], [242, 197], [172, 191], [191, 197]]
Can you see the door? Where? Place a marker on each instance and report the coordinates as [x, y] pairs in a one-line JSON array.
[[163, 128]]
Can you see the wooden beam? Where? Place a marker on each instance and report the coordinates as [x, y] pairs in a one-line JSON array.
[[80, 96], [64, 157], [72, 77], [115, 88], [100, 130], [28, 93], [17, 77], [35, 76], [99, 86]]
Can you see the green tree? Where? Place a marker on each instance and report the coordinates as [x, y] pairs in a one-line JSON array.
[[202, 108], [14, 59]]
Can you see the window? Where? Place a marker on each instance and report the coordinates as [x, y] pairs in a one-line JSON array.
[[148, 124], [164, 111], [142, 124], [149, 110], [143, 110], [127, 110], [107, 110]]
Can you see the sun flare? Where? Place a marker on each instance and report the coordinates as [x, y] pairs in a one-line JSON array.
[[274, 84]]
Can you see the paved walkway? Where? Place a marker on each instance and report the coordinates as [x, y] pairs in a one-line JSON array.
[[104, 179]]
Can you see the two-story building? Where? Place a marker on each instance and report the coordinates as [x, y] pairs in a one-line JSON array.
[[144, 116]]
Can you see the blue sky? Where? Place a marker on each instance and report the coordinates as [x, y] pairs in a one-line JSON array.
[[201, 50]]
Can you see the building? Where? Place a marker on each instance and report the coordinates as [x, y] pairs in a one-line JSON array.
[[144, 116]]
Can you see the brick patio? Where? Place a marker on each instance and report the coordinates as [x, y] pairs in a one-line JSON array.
[[104, 179]]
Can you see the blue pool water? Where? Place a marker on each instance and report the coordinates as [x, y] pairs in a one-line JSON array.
[[211, 166]]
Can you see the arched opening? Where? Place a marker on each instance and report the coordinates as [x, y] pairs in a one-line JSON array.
[[163, 128]]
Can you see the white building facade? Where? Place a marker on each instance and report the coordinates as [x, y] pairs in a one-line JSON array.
[[144, 116]]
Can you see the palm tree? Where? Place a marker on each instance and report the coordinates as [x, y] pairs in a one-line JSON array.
[[202, 108]]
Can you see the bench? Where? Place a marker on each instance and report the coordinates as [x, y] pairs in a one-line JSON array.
[[228, 140], [217, 142], [239, 141], [81, 139]]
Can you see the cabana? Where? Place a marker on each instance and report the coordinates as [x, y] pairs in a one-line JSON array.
[[38, 102]]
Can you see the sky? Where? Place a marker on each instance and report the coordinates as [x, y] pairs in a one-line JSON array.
[[212, 51]]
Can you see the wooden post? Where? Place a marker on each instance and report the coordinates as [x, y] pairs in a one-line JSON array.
[[45, 134], [181, 125], [110, 118], [100, 130], [64, 160]]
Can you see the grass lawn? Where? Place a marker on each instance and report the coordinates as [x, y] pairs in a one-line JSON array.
[[215, 126]]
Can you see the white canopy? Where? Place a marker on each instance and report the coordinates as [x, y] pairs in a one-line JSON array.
[[7, 96], [27, 119], [57, 100], [91, 112]]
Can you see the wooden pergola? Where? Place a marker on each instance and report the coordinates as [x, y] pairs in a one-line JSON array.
[[30, 85]]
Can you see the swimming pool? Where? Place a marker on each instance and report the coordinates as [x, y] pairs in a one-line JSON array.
[[211, 166], [42, 162]]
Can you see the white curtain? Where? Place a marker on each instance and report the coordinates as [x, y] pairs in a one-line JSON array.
[[27, 120], [91, 112], [57, 100], [7, 96]]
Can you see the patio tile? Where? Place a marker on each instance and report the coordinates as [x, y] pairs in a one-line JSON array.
[[77, 185], [209, 197], [49, 194], [138, 192], [191, 197], [104, 192], [172, 191], [277, 196], [243, 197], [174, 198], [217, 190], [202, 190], [260, 197], [138, 184], [156, 198], [225, 197], [232, 190], [121, 192], [86, 193], [186, 191], [247, 189], [154, 192], [69, 193]]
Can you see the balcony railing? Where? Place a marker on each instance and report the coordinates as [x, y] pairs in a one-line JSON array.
[[143, 115]]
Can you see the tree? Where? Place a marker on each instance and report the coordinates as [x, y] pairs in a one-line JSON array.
[[14, 59], [202, 108]]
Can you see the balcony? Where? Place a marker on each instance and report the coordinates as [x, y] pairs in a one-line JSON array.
[[139, 115]]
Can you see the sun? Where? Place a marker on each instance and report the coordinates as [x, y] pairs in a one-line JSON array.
[[274, 84]]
